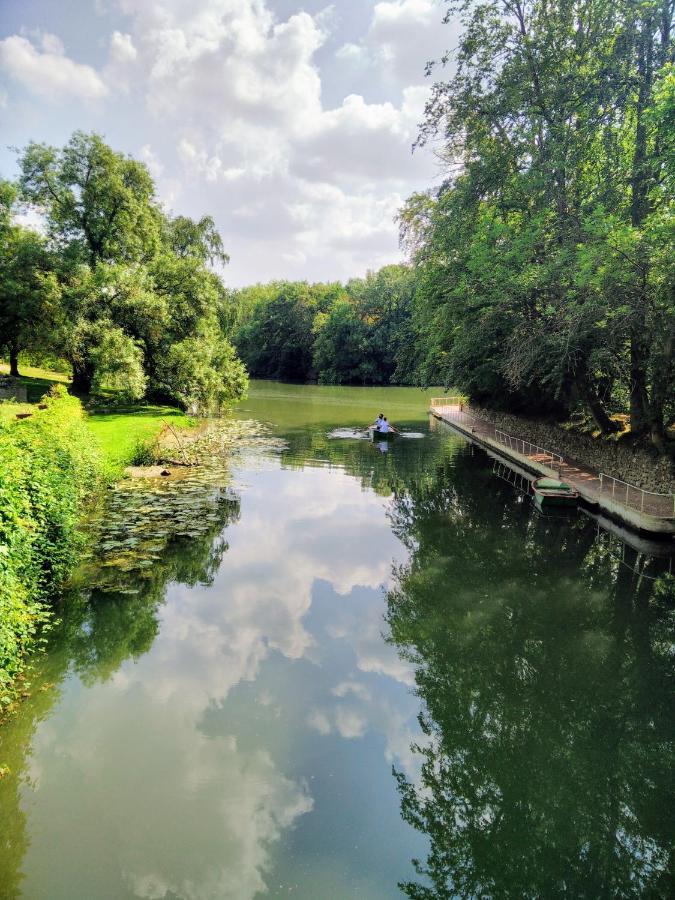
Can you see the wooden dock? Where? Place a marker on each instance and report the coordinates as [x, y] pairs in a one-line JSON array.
[[643, 511]]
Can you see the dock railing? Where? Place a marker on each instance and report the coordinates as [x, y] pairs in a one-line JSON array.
[[526, 448], [442, 402], [651, 503]]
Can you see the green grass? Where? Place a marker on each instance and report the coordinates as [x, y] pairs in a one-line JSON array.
[[9, 409], [37, 381], [119, 431]]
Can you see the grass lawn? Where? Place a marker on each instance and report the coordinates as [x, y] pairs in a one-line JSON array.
[[9, 409], [119, 431], [37, 381]]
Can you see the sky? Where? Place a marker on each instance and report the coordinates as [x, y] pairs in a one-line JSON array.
[[291, 123]]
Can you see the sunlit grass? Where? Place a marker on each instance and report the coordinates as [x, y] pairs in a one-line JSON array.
[[36, 381], [118, 432], [9, 410]]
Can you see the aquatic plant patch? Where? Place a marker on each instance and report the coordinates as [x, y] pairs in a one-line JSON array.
[[142, 516]]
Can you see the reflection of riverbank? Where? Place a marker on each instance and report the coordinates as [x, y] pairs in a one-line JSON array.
[[110, 615], [544, 668]]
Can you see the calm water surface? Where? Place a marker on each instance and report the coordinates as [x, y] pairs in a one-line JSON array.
[[358, 657]]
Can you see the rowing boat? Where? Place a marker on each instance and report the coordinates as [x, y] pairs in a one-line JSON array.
[[377, 435], [550, 492]]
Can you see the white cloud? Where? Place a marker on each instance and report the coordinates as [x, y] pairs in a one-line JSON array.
[[318, 721], [240, 799], [49, 74], [404, 35], [350, 723], [122, 48], [52, 44], [152, 161], [231, 95], [351, 52], [241, 93]]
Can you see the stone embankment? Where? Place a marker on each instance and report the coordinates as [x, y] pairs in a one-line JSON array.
[[638, 467]]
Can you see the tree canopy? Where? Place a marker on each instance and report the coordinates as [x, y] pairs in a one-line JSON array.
[[121, 289], [357, 333], [545, 258]]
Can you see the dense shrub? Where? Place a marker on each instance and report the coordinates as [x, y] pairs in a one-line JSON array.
[[48, 467]]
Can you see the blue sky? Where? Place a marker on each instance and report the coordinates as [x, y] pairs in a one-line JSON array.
[[290, 123]]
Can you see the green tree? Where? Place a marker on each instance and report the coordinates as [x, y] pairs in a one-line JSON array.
[[99, 205], [29, 293], [542, 283], [276, 342], [342, 351], [385, 300], [141, 304]]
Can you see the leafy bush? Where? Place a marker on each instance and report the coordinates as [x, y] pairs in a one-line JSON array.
[[48, 468], [145, 453]]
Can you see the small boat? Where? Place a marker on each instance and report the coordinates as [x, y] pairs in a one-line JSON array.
[[377, 435], [550, 492]]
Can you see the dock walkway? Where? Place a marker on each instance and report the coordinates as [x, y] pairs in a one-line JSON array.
[[640, 509]]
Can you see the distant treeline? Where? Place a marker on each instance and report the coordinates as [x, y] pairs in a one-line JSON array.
[[356, 333]]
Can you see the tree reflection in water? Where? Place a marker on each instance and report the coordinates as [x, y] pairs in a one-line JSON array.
[[98, 630], [545, 672]]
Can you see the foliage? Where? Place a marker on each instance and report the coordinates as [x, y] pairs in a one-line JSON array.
[[545, 258], [29, 291], [48, 466], [118, 363], [359, 333], [145, 453], [132, 287], [99, 204], [276, 339]]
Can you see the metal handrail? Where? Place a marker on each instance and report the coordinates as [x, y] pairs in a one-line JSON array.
[[639, 495], [447, 401], [509, 440]]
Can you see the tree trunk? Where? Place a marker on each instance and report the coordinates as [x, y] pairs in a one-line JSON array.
[[14, 360], [595, 407], [83, 376], [639, 400], [661, 385], [640, 182]]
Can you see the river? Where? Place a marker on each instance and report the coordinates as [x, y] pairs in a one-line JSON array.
[[345, 657]]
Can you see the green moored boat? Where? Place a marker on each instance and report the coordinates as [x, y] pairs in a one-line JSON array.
[[551, 492]]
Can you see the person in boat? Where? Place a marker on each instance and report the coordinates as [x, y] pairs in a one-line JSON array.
[[378, 421], [386, 427]]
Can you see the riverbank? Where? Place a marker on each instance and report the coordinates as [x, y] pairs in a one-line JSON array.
[[620, 459], [56, 459], [633, 507], [50, 472]]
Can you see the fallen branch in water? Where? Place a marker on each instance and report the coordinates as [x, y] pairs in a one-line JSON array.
[[186, 461]]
